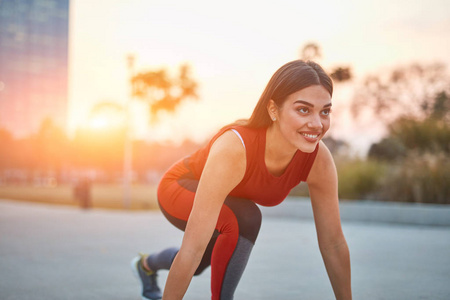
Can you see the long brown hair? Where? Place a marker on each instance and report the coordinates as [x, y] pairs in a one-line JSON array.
[[290, 78]]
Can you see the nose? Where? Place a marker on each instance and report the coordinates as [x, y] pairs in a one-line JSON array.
[[315, 123]]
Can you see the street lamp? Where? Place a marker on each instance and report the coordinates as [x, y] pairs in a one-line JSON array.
[[127, 161]]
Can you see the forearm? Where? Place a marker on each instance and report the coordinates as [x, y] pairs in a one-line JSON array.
[[337, 263], [198, 232], [180, 275]]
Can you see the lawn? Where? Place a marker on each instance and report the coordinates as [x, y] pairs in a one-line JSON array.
[[110, 196]]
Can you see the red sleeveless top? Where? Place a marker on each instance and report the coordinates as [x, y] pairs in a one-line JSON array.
[[258, 184]]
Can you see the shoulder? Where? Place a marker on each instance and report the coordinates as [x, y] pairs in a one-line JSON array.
[[228, 146], [226, 163], [323, 169], [246, 135], [246, 132]]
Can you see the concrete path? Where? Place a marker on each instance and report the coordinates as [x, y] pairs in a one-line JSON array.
[[50, 252]]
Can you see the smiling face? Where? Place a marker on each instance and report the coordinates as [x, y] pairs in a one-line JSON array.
[[303, 119]]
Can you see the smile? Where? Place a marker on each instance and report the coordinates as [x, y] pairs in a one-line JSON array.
[[311, 136]]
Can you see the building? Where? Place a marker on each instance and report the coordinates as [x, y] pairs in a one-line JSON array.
[[33, 64]]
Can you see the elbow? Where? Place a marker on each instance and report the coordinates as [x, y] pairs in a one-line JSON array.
[[192, 253]]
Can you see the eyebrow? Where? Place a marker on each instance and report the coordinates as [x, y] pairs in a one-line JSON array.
[[310, 104]]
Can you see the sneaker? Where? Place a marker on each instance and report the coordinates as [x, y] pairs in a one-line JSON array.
[[150, 288]]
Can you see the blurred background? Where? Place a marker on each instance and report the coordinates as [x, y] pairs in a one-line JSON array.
[[98, 98]]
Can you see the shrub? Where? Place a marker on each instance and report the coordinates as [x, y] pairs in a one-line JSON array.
[[388, 149], [430, 135], [359, 179], [420, 178]]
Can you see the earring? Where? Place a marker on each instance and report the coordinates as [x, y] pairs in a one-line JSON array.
[[274, 119]]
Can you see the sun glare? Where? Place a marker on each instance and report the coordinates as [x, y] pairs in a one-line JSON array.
[[98, 123], [106, 120]]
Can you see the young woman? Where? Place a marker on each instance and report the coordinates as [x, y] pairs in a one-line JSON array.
[[212, 194]]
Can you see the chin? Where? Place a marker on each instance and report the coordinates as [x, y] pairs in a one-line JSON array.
[[308, 148]]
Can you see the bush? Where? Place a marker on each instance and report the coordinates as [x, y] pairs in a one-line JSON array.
[[420, 178], [430, 135], [359, 179], [388, 149]]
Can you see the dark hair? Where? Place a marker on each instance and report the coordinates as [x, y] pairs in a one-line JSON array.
[[290, 78]]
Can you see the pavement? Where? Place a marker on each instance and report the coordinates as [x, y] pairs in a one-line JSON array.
[[55, 252]]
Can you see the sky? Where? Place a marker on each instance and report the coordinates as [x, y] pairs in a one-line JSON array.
[[234, 47]]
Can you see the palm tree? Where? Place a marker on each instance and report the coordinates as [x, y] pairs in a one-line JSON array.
[[162, 92], [312, 51]]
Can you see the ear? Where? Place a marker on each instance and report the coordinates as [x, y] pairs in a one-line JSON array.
[[272, 109]]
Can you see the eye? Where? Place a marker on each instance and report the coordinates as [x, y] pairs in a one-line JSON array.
[[303, 110], [326, 112]]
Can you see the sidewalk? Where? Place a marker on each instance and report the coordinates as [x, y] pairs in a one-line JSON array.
[[50, 252]]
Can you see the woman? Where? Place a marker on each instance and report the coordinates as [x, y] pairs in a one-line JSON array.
[[211, 194]]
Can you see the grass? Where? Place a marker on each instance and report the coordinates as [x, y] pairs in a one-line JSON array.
[[108, 196]]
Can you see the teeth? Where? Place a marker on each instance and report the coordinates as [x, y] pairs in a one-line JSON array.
[[313, 136]]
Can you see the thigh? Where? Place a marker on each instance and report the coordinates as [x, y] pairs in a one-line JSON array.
[[176, 198]]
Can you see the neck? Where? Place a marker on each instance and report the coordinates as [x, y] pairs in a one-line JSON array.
[[277, 147]]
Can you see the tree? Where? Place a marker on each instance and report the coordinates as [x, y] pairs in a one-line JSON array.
[[415, 91], [389, 149], [440, 109], [408, 133], [414, 103], [6, 149], [430, 135], [162, 92], [341, 74], [312, 51]]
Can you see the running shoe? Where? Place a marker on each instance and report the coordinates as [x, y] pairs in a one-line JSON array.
[[150, 288]]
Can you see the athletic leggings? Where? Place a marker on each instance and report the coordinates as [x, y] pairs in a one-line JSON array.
[[233, 239]]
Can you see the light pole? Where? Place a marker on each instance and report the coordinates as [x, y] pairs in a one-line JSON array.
[[128, 155]]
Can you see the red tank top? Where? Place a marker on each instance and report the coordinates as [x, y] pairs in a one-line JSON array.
[[258, 184]]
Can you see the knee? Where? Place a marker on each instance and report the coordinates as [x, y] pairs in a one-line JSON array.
[[250, 224], [251, 216], [248, 216]]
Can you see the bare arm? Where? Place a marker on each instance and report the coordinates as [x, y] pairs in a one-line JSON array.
[[224, 169], [322, 182]]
